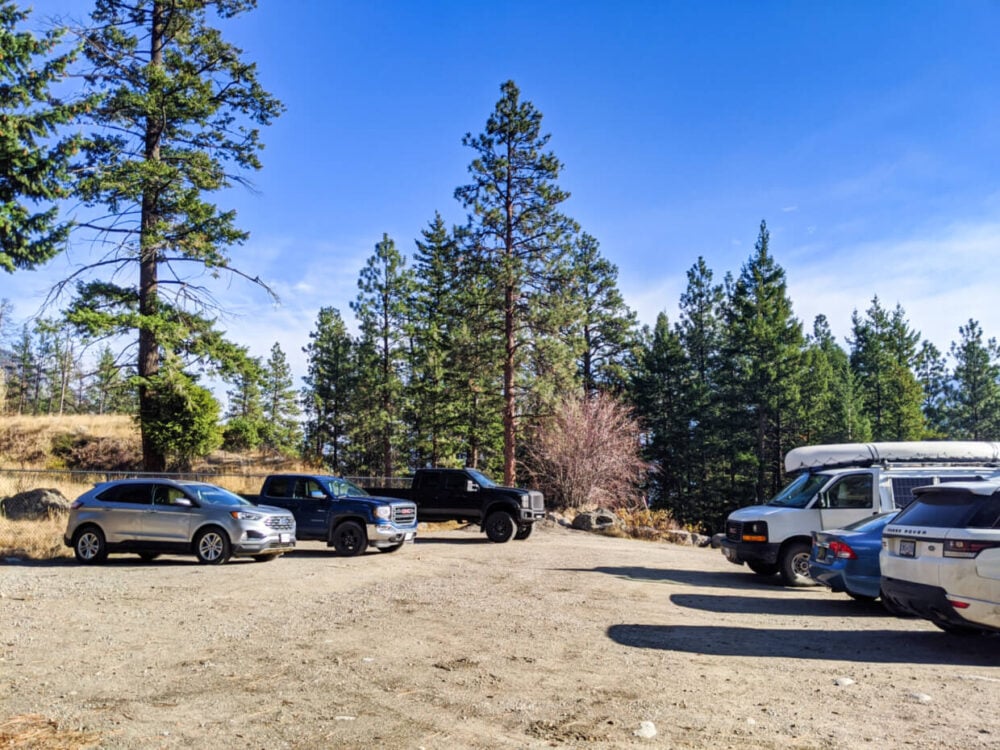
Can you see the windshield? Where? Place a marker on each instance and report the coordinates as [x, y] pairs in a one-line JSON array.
[[341, 488], [481, 479], [802, 489], [212, 495]]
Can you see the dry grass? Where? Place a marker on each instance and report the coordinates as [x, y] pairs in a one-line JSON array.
[[37, 732], [34, 540]]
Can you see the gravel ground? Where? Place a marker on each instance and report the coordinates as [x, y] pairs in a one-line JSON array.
[[565, 640]]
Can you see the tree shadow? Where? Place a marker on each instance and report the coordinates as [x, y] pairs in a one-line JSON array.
[[875, 646]]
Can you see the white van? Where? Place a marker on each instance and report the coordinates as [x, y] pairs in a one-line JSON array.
[[835, 485]]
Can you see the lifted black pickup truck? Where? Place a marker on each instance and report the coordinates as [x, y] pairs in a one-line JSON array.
[[504, 513], [343, 515]]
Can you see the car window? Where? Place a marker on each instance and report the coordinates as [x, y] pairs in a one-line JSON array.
[[951, 510], [455, 482], [799, 491], [852, 491], [137, 493], [280, 487], [430, 480], [212, 495]]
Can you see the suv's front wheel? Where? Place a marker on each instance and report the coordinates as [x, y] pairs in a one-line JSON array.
[[212, 547], [500, 526], [89, 546]]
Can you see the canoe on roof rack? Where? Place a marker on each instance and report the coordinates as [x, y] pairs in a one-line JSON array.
[[941, 452]]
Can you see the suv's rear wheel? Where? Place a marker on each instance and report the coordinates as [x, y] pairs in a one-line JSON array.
[[89, 546], [500, 526], [212, 547], [348, 539], [794, 565]]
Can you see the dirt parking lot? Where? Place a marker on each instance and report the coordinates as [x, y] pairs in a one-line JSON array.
[[564, 640]]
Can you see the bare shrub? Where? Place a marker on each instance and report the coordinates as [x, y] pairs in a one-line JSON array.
[[588, 454]]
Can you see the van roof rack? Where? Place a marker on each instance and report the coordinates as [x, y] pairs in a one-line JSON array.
[[925, 452]]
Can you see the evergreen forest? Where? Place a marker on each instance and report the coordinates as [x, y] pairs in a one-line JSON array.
[[502, 343]]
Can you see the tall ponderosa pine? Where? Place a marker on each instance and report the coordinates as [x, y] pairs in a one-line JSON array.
[[385, 289], [328, 388], [763, 348], [33, 160], [179, 110], [520, 241]]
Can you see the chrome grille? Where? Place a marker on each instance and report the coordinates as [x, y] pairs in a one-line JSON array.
[[404, 515], [537, 500], [280, 523]]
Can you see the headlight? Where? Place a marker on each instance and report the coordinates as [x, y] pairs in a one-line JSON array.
[[383, 511], [525, 501], [755, 531], [245, 515]]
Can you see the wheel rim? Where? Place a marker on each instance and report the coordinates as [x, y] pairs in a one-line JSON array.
[[88, 546], [349, 540], [800, 565], [501, 527], [210, 547]]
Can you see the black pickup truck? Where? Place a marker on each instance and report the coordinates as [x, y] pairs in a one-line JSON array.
[[504, 513], [343, 515]]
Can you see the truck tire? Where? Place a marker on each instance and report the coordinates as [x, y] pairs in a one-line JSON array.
[[524, 531], [348, 539], [500, 526], [794, 563]]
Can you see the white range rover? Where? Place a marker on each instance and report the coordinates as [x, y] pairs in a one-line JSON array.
[[940, 557]]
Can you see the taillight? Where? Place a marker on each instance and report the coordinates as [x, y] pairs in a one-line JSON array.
[[957, 604], [842, 550], [965, 547]]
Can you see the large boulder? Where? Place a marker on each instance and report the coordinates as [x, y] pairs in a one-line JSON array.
[[595, 520], [34, 505]]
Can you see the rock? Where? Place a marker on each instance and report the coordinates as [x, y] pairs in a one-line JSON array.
[[646, 730], [34, 505], [921, 697], [595, 520], [843, 681]]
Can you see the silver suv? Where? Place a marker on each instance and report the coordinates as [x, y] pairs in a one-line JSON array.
[[940, 557], [155, 516]]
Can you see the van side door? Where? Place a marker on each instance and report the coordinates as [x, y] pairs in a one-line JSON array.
[[850, 498]]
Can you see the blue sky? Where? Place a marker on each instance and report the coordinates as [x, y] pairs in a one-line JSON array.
[[864, 133]]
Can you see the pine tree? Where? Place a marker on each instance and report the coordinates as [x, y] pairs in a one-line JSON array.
[[282, 432], [605, 325], [245, 415], [436, 309], [177, 113], [662, 390], [935, 380], [763, 349], [33, 159], [832, 411], [385, 288], [328, 387], [973, 405], [519, 241], [883, 354], [110, 391]]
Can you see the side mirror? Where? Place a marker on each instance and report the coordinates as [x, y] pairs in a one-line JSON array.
[[317, 494], [183, 502], [471, 486]]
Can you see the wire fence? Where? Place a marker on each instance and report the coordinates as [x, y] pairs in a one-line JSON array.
[[39, 535]]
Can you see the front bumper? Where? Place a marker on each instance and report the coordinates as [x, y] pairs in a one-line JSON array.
[[530, 515], [389, 535], [755, 552], [256, 543]]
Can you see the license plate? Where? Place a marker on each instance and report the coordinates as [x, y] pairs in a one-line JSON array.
[[408, 536], [907, 548], [285, 538]]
